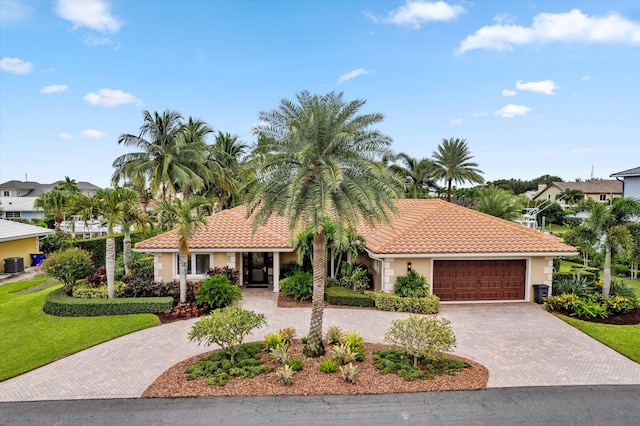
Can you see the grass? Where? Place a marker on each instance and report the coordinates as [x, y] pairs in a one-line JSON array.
[[30, 338], [624, 339]]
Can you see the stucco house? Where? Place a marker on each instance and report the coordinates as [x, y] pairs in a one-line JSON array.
[[465, 255], [630, 182], [602, 191], [20, 240]]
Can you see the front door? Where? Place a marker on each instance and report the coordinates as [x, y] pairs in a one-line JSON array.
[[257, 268]]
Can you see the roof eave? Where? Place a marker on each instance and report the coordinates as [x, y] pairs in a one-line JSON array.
[[470, 255]]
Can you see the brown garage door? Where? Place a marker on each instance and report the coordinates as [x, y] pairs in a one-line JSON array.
[[479, 279]]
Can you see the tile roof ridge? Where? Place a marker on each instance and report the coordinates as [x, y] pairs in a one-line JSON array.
[[263, 227]]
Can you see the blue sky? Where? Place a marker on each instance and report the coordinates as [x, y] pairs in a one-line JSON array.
[[535, 87]]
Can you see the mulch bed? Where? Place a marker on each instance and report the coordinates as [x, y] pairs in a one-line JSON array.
[[630, 318]]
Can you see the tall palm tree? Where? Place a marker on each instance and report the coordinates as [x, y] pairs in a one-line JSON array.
[[571, 196], [191, 151], [320, 160], [68, 184], [132, 215], [609, 223], [164, 159], [453, 164], [188, 220], [224, 160], [416, 172], [54, 203], [111, 205], [498, 202]]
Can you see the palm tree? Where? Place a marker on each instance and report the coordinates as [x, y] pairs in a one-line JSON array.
[[111, 205], [498, 202], [165, 159], [319, 161], [416, 172], [453, 164], [54, 203], [191, 151], [571, 196], [188, 220], [68, 185], [132, 215], [609, 223]]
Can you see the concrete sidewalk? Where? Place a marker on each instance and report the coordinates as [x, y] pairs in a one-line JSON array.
[[520, 344]]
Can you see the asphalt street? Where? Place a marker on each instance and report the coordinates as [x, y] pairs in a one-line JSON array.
[[556, 405]]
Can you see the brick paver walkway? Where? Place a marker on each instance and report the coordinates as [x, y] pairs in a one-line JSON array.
[[520, 344]]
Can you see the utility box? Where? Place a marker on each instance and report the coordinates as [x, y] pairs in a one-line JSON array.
[[540, 291], [13, 265]]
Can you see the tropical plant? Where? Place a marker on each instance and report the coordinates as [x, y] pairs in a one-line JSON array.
[[224, 160], [416, 173], [411, 285], [296, 364], [285, 374], [68, 266], [584, 239], [299, 285], [328, 366], [342, 354], [217, 292], [280, 354], [54, 203], [349, 373], [576, 284], [333, 335], [227, 328], [68, 184], [319, 161], [571, 196], [452, 163], [498, 202], [188, 221], [422, 336]]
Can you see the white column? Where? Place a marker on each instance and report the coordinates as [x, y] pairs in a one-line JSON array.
[[241, 270], [276, 271]]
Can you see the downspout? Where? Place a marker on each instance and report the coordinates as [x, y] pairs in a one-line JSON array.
[[618, 179]]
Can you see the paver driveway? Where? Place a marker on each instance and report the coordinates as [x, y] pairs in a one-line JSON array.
[[520, 344]]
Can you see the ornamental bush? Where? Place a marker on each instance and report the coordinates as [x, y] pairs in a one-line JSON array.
[[423, 337], [217, 292], [68, 266], [411, 285], [416, 305], [299, 285]]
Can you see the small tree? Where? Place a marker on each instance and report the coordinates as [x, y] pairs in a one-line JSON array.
[[422, 336], [68, 266], [227, 327]]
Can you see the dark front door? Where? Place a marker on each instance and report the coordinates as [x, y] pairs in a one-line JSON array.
[[257, 268]]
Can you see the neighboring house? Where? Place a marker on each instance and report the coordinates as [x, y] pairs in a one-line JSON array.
[[20, 240], [465, 255], [17, 197], [602, 191], [630, 182]]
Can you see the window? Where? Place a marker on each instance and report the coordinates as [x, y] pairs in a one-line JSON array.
[[202, 264], [201, 260], [6, 193], [603, 197], [12, 215]]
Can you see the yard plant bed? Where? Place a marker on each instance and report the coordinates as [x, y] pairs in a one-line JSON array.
[[311, 381], [285, 301], [630, 318]]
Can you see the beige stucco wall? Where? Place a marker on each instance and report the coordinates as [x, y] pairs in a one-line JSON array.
[[18, 248]]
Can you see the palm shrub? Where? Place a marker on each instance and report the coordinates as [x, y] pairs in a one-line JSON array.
[[354, 276], [299, 285], [285, 374], [328, 366], [68, 266], [272, 341], [349, 373], [333, 335], [217, 292], [356, 342], [576, 284], [342, 354], [411, 285], [280, 354]]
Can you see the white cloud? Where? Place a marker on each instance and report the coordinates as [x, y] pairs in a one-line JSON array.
[[456, 121], [92, 134], [546, 86], [14, 11], [353, 74], [415, 13], [511, 110], [65, 136], [15, 65], [481, 114], [93, 14], [111, 98], [54, 88], [587, 77], [504, 18], [507, 92], [573, 26], [90, 40]]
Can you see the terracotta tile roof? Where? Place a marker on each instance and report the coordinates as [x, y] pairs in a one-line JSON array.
[[228, 229], [420, 227], [438, 227]]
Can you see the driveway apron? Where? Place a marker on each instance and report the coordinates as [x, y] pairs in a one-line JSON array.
[[520, 344]]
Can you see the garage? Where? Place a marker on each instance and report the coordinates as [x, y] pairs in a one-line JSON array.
[[472, 280]]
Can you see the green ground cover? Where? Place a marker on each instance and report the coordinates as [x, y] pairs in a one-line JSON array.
[[30, 338]]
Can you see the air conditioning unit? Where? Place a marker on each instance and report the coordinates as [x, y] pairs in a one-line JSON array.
[[13, 265]]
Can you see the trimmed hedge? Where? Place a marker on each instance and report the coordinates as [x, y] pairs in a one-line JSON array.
[[347, 297], [58, 303], [416, 305]]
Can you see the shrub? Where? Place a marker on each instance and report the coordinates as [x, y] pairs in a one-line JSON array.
[[620, 288], [60, 304], [289, 268], [96, 279], [140, 262], [102, 292], [226, 327], [68, 266], [620, 270], [349, 373], [619, 304], [354, 277], [273, 340], [576, 284], [355, 341], [287, 333], [299, 286], [342, 354], [296, 364], [590, 306], [422, 336], [217, 292], [141, 284], [398, 362], [559, 276], [420, 305], [411, 285], [346, 297], [280, 354], [333, 335], [56, 242], [328, 366], [230, 273], [285, 374]]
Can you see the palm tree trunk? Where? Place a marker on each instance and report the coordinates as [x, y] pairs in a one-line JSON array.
[[111, 266], [606, 276], [449, 190], [315, 347], [183, 264], [126, 250]]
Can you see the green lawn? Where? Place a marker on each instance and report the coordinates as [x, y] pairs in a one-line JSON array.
[[30, 338], [624, 339]]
